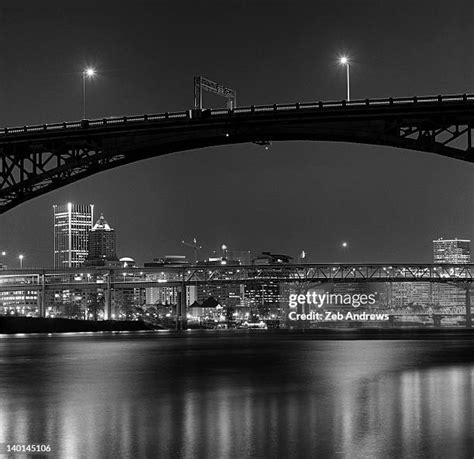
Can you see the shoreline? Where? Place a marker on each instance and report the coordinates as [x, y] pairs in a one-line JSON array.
[[26, 325], [12, 325]]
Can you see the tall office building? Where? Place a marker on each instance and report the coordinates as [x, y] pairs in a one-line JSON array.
[[101, 244], [72, 223], [452, 251]]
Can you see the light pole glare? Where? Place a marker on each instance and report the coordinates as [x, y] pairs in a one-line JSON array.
[[89, 72], [344, 245], [344, 60], [224, 251], [21, 260]]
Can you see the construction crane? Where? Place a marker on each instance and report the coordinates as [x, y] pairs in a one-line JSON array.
[[195, 246]]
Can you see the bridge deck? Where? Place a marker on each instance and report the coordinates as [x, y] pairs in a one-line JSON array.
[[174, 275], [392, 104], [37, 159]]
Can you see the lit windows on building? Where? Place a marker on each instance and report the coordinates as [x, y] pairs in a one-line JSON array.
[[72, 223], [19, 303], [101, 245], [452, 251]]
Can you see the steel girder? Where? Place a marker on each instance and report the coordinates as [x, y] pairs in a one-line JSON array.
[[37, 159], [87, 278]]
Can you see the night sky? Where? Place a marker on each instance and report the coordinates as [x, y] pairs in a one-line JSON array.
[[388, 204]]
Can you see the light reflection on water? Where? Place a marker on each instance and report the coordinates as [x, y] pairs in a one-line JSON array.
[[234, 396]]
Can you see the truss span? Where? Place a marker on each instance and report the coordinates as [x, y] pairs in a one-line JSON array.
[[37, 159]]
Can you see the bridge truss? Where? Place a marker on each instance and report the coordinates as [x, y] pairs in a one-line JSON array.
[[171, 275], [107, 280], [37, 159]]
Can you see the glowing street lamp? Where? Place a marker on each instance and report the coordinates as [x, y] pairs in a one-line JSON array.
[[21, 260], [345, 61], [344, 246], [86, 73]]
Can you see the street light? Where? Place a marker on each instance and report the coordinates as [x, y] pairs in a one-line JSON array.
[[344, 246], [345, 61], [21, 260], [86, 73]]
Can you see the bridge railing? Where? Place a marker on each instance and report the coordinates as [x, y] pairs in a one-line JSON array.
[[112, 121]]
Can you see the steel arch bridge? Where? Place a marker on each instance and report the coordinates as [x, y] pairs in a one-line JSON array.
[[38, 159]]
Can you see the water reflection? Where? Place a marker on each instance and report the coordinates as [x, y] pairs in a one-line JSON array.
[[126, 396]]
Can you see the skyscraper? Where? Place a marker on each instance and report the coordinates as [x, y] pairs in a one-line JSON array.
[[452, 251], [101, 244], [72, 223]]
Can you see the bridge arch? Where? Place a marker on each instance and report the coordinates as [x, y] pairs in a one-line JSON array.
[[39, 159]]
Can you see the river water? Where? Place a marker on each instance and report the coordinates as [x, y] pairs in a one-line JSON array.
[[225, 394]]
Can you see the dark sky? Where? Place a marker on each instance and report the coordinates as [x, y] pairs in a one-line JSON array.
[[387, 203]]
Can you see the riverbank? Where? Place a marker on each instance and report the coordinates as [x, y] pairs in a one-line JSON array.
[[39, 325], [11, 325]]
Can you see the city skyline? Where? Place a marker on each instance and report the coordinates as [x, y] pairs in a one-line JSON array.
[[386, 203], [236, 229], [459, 248]]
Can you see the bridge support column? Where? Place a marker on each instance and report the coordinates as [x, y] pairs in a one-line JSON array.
[[108, 298], [41, 297], [468, 306]]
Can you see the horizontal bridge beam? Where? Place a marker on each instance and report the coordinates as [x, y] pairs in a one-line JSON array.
[[164, 276]]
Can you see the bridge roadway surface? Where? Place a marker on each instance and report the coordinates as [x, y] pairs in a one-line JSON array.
[[37, 159]]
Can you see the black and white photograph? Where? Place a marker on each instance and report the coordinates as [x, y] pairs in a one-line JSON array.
[[237, 229]]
